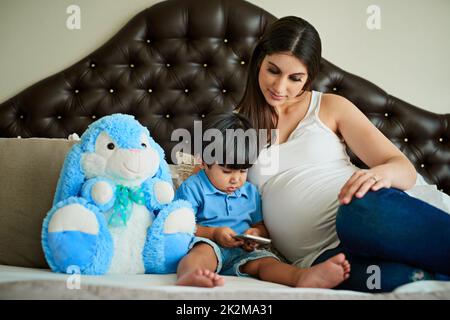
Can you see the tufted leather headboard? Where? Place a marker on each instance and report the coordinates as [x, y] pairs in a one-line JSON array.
[[178, 60]]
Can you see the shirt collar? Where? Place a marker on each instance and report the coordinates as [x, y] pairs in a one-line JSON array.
[[209, 188]]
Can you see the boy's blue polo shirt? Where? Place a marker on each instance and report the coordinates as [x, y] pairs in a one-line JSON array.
[[214, 208]]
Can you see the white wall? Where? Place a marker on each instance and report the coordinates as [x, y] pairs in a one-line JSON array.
[[408, 57]]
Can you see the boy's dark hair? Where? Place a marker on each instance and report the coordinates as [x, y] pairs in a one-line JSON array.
[[237, 147]]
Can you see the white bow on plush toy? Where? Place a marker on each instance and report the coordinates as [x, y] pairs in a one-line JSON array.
[[113, 210]]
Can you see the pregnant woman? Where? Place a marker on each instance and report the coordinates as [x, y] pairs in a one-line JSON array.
[[316, 203]]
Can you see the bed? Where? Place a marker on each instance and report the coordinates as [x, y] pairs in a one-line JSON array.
[[170, 65]]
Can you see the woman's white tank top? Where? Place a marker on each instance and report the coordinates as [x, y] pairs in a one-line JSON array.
[[299, 181]]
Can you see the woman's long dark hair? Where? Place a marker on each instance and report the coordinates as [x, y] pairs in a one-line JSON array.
[[288, 34]]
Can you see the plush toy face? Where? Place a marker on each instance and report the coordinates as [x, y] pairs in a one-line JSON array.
[[126, 166]]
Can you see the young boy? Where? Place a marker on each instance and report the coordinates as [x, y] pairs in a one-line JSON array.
[[227, 205]]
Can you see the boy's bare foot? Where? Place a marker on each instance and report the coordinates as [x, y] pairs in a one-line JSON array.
[[200, 278], [327, 274]]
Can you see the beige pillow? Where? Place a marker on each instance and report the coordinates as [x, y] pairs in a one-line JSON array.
[[29, 173]]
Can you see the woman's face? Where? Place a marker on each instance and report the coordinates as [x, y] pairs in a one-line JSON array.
[[281, 78]]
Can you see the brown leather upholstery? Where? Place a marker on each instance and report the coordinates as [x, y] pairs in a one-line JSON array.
[[178, 60]]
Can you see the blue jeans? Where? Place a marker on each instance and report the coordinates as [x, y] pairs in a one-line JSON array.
[[405, 238]]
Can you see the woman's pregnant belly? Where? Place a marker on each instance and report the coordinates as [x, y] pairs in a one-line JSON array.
[[299, 208]]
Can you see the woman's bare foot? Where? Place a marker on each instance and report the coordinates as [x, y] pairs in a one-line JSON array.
[[327, 274], [200, 278]]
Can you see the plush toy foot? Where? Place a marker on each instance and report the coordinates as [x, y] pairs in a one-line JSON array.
[[74, 217], [169, 237], [180, 220], [72, 239], [176, 245], [179, 229]]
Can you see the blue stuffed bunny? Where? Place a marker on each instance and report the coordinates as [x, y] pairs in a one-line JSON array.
[[113, 210]]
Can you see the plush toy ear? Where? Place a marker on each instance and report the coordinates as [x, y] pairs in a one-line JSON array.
[[71, 177], [163, 172]]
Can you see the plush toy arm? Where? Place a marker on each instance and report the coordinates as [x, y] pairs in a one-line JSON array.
[[99, 191], [158, 193]]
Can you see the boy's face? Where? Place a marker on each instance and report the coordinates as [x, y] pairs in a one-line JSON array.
[[224, 179]]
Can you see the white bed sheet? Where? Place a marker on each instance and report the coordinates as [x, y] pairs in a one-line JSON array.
[[27, 283]]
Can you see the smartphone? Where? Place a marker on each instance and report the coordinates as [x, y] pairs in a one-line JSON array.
[[259, 240]]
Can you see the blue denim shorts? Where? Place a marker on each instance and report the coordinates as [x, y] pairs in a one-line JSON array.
[[229, 260]]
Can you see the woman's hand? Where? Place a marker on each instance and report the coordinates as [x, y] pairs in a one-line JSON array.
[[224, 236], [361, 182]]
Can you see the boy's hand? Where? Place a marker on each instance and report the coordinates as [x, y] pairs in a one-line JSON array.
[[224, 236], [250, 245]]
